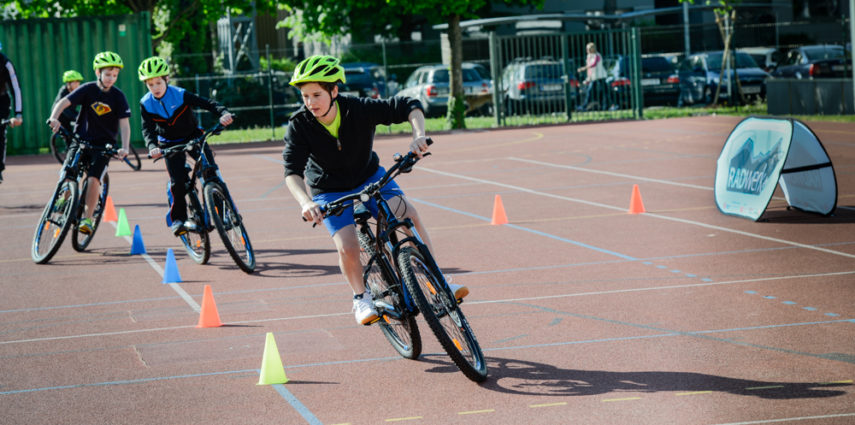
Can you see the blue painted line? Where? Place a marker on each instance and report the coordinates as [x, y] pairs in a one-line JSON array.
[[661, 267], [691, 275], [832, 314], [499, 341], [555, 321], [675, 271], [769, 297], [809, 308], [751, 292], [649, 263], [789, 302], [297, 405], [706, 279]]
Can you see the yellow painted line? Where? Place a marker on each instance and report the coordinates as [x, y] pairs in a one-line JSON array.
[[534, 406], [845, 381], [609, 400], [411, 418], [475, 412], [767, 387], [694, 393]]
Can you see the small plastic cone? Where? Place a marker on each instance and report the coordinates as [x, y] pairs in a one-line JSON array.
[[123, 229], [635, 204], [110, 210], [138, 247], [272, 371], [170, 270], [499, 216], [209, 317]]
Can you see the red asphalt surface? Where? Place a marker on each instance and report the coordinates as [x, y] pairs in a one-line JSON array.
[[586, 314]]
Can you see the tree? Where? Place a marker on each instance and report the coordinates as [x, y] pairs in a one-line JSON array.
[[173, 21], [343, 16], [725, 16]]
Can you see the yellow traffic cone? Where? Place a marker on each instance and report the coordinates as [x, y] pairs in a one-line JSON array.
[[272, 371]]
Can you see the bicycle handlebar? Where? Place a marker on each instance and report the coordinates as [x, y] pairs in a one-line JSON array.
[[106, 150], [190, 144], [403, 164]]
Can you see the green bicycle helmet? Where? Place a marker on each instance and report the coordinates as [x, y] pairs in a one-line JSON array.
[[316, 69], [152, 67], [107, 59], [71, 75]]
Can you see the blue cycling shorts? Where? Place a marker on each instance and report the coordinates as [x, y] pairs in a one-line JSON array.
[[338, 222]]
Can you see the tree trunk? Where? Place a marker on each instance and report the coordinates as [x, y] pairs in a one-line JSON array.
[[456, 99]]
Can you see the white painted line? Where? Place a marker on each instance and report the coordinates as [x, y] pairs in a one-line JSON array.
[[659, 216], [802, 418]]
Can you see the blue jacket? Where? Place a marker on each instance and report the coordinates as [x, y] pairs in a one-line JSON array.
[[170, 119]]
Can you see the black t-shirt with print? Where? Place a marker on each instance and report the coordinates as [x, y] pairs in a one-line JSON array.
[[100, 112]]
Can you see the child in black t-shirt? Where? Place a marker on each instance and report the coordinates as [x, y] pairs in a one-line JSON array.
[[104, 114], [71, 80]]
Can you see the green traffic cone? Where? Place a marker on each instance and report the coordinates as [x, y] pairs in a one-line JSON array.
[[272, 371], [123, 229]]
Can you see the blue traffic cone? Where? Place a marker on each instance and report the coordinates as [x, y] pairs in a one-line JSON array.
[[170, 272], [137, 247]]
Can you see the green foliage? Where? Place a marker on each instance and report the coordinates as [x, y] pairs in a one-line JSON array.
[[283, 64]]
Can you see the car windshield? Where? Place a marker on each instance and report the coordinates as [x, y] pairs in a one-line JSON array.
[[823, 52], [657, 64], [469, 75], [551, 70], [357, 76], [742, 60]]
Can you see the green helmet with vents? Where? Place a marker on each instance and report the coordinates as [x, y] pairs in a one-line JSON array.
[[107, 59], [152, 67], [71, 75], [317, 69]]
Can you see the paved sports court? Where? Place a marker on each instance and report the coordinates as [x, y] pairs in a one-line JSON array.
[[586, 314]]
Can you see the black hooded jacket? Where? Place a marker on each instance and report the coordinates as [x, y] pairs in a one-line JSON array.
[[313, 153]]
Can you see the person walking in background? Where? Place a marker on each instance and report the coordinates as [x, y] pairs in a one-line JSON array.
[[8, 83], [595, 81]]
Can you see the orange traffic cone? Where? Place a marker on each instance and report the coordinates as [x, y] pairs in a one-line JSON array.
[[635, 204], [110, 211], [499, 216], [208, 317]]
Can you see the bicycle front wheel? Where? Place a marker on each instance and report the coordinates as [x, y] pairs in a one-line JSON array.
[[230, 226], [56, 219], [197, 243], [443, 315], [80, 240], [133, 159], [58, 147], [398, 326]]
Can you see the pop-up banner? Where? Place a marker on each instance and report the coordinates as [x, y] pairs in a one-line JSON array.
[[761, 152]]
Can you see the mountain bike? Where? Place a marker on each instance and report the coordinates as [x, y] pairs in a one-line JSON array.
[[67, 207], [404, 279], [60, 141], [216, 210]]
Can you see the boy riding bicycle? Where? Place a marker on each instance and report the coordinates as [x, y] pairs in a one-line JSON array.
[[168, 118], [104, 114], [330, 141], [71, 80]]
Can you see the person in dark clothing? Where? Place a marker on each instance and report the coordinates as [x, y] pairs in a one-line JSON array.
[[8, 84], [329, 147], [168, 118], [71, 80], [104, 116]]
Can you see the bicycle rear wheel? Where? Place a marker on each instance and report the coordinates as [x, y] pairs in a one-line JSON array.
[[197, 243], [56, 219], [398, 326], [80, 240], [230, 226], [58, 147], [442, 314], [133, 159]]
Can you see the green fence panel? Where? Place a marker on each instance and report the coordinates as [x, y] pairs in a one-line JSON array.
[[42, 49]]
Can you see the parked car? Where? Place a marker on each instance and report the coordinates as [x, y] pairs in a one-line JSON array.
[[823, 61], [430, 84], [700, 74], [767, 58], [364, 79], [482, 104], [537, 85], [660, 83]]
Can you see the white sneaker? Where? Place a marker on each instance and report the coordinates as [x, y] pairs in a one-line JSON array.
[[363, 308]]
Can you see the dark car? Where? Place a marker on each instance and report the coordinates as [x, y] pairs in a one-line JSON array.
[[660, 83], [700, 74], [364, 79], [826, 61], [537, 85]]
